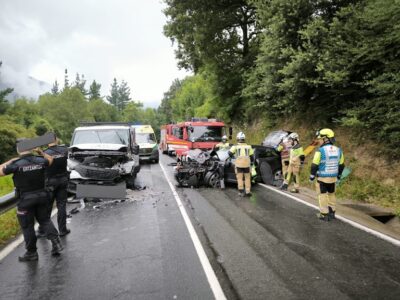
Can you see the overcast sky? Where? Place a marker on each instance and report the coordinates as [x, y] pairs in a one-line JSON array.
[[102, 39]]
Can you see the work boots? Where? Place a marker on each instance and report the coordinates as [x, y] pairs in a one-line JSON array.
[[29, 256], [241, 193], [57, 246], [323, 217], [284, 187], [331, 213]]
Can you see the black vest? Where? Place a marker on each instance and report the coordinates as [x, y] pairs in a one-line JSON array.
[[59, 166], [29, 174]]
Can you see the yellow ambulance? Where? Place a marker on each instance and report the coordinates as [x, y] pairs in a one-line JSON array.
[[147, 141]]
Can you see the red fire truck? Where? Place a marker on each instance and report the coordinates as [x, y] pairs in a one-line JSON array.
[[198, 133]]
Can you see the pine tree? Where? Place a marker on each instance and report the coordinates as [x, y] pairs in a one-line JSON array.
[[55, 89], [66, 81], [113, 98], [3, 93], [94, 90], [124, 93], [80, 83]]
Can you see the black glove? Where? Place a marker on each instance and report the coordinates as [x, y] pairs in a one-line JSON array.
[[311, 178]]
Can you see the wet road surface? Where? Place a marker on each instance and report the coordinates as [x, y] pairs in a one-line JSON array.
[[271, 246], [264, 247], [137, 249]]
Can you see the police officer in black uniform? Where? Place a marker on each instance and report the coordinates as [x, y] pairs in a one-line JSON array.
[[56, 183], [29, 180]]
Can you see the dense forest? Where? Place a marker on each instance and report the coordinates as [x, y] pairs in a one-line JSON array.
[[333, 62]]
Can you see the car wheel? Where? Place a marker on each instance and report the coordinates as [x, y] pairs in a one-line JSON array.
[[266, 173], [130, 181], [212, 179], [278, 179], [156, 161]]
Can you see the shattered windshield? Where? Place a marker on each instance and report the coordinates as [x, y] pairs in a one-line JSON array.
[[104, 136], [274, 138], [205, 133], [146, 138]]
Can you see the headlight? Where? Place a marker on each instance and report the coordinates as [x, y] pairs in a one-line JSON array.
[[71, 164]]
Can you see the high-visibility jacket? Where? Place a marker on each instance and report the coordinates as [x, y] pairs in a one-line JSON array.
[[223, 146], [242, 149], [242, 153], [328, 158], [296, 155]]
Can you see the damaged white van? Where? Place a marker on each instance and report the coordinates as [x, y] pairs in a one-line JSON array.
[[103, 154]]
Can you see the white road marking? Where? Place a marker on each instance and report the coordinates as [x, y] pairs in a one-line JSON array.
[[11, 247], [210, 274], [348, 221]]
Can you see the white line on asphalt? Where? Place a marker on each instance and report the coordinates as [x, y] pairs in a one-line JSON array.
[[11, 247], [210, 274], [354, 224]]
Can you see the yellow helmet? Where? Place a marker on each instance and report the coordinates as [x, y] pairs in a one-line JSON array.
[[326, 132]]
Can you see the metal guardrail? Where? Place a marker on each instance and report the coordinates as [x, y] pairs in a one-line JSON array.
[[7, 202]]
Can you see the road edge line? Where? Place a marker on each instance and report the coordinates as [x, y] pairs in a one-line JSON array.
[[375, 233], [20, 239], [205, 263]]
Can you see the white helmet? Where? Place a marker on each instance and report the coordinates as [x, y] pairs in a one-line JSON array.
[[241, 136], [224, 138], [294, 136]]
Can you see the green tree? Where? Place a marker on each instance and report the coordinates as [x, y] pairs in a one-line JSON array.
[[113, 98], [219, 36], [94, 90], [64, 111], [66, 80], [80, 83], [102, 111], [164, 110], [133, 112], [9, 132], [124, 95], [3, 93], [55, 89], [23, 112]]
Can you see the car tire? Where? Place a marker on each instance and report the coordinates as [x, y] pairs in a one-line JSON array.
[[212, 179], [266, 173], [130, 181], [156, 161]]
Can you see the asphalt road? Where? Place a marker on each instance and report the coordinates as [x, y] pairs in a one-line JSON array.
[[264, 247]]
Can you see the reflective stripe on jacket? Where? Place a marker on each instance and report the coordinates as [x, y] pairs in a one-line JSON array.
[[242, 149]]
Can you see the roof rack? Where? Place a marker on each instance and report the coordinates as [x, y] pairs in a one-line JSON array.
[[84, 123]]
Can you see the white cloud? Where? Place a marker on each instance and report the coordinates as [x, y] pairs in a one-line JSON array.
[[101, 39]]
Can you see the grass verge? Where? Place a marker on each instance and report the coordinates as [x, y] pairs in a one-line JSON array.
[[9, 226], [6, 185]]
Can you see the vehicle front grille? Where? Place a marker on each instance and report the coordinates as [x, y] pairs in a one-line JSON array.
[[145, 151], [97, 173]]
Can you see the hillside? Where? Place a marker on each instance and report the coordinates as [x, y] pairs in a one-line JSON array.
[[373, 177]]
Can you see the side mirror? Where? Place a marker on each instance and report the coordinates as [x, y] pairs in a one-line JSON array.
[[190, 128], [135, 149]]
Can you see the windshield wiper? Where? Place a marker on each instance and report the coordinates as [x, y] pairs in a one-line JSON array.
[[120, 138]]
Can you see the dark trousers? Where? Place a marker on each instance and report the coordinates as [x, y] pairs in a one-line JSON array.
[[59, 194], [26, 219]]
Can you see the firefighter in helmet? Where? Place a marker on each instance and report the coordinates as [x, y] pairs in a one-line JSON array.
[[244, 155], [327, 167]]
